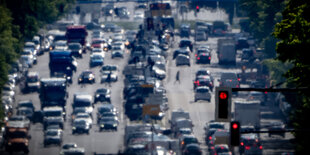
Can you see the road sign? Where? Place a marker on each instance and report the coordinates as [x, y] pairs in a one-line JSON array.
[[151, 109]]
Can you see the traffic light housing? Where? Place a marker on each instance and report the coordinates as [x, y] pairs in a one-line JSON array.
[[223, 104], [234, 133], [197, 8]]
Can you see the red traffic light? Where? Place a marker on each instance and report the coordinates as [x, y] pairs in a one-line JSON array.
[[235, 126], [197, 7], [223, 95]]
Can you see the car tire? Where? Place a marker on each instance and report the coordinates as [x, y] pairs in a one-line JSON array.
[[87, 132]]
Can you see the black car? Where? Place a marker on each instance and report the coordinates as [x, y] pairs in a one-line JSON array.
[[192, 149], [242, 42], [186, 43], [180, 51], [203, 58], [76, 49], [86, 77], [102, 95], [108, 123], [80, 126]]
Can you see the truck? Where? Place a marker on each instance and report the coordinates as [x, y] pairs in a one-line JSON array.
[[247, 113], [62, 62], [76, 34], [226, 51], [16, 138], [53, 92]]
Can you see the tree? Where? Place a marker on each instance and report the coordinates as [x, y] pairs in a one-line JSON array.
[[293, 47]]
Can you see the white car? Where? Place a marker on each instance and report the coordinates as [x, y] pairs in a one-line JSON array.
[[85, 116], [202, 93], [138, 15], [98, 51]]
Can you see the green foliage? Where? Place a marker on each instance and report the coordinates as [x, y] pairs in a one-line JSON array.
[[293, 32]]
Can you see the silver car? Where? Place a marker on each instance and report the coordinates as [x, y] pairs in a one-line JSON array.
[[202, 93], [182, 59]]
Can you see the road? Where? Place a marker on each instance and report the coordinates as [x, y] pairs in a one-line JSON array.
[[180, 95]]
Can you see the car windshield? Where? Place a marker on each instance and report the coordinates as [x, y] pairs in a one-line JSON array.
[[74, 46], [52, 113], [102, 91], [190, 140], [52, 133], [33, 79], [80, 122], [202, 90], [82, 103], [217, 126]]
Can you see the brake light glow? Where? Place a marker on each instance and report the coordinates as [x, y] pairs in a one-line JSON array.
[[209, 58], [261, 147], [247, 147], [241, 143], [196, 55], [210, 137], [239, 79]]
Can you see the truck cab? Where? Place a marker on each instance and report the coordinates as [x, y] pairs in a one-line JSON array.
[[53, 92]]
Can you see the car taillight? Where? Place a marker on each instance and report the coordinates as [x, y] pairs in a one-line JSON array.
[[247, 147], [261, 147], [196, 55], [209, 58], [203, 54], [198, 58], [237, 86], [210, 137], [241, 143], [239, 79]]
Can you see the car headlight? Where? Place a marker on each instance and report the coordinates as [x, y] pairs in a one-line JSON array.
[[73, 128], [9, 143], [90, 78], [114, 125], [80, 79], [102, 125], [97, 95], [68, 77], [80, 51]]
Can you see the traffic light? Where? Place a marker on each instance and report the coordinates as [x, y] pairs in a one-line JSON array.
[[223, 104], [197, 8], [234, 133]]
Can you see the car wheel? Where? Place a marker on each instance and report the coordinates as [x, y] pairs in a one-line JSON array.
[[73, 132], [88, 132]]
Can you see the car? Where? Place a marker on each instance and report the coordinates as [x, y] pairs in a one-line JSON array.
[[60, 45], [229, 79], [29, 53], [85, 116], [182, 59], [25, 111], [138, 15], [26, 61], [277, 128], [86, 77], [200, 36], [185, 30], [109, 73], [202, 72], [81, 99], [203, 58], [117, 54], [78, 110], [253, 95], [97, 43], [80, 125], [52, 136], [109, 27], [32, 82], [250, 144], [102, 95], [108, 123], [67, 146], [192, 149], [63, 75], [202, 93], [97, 34], [214, 125], [204, 80], [106, 110], [186, 43], [76, 49], [73, 151], [187, 139], [26, 103], [98, 51], [31, 46], [96, 60], [184, 51], [183, 131], [242, 42], [220, 149]]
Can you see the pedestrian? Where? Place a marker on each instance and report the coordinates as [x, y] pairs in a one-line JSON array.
[[109, 79], [177, 77]]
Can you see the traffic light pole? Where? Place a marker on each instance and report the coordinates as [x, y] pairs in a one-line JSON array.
[[271, 89]]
